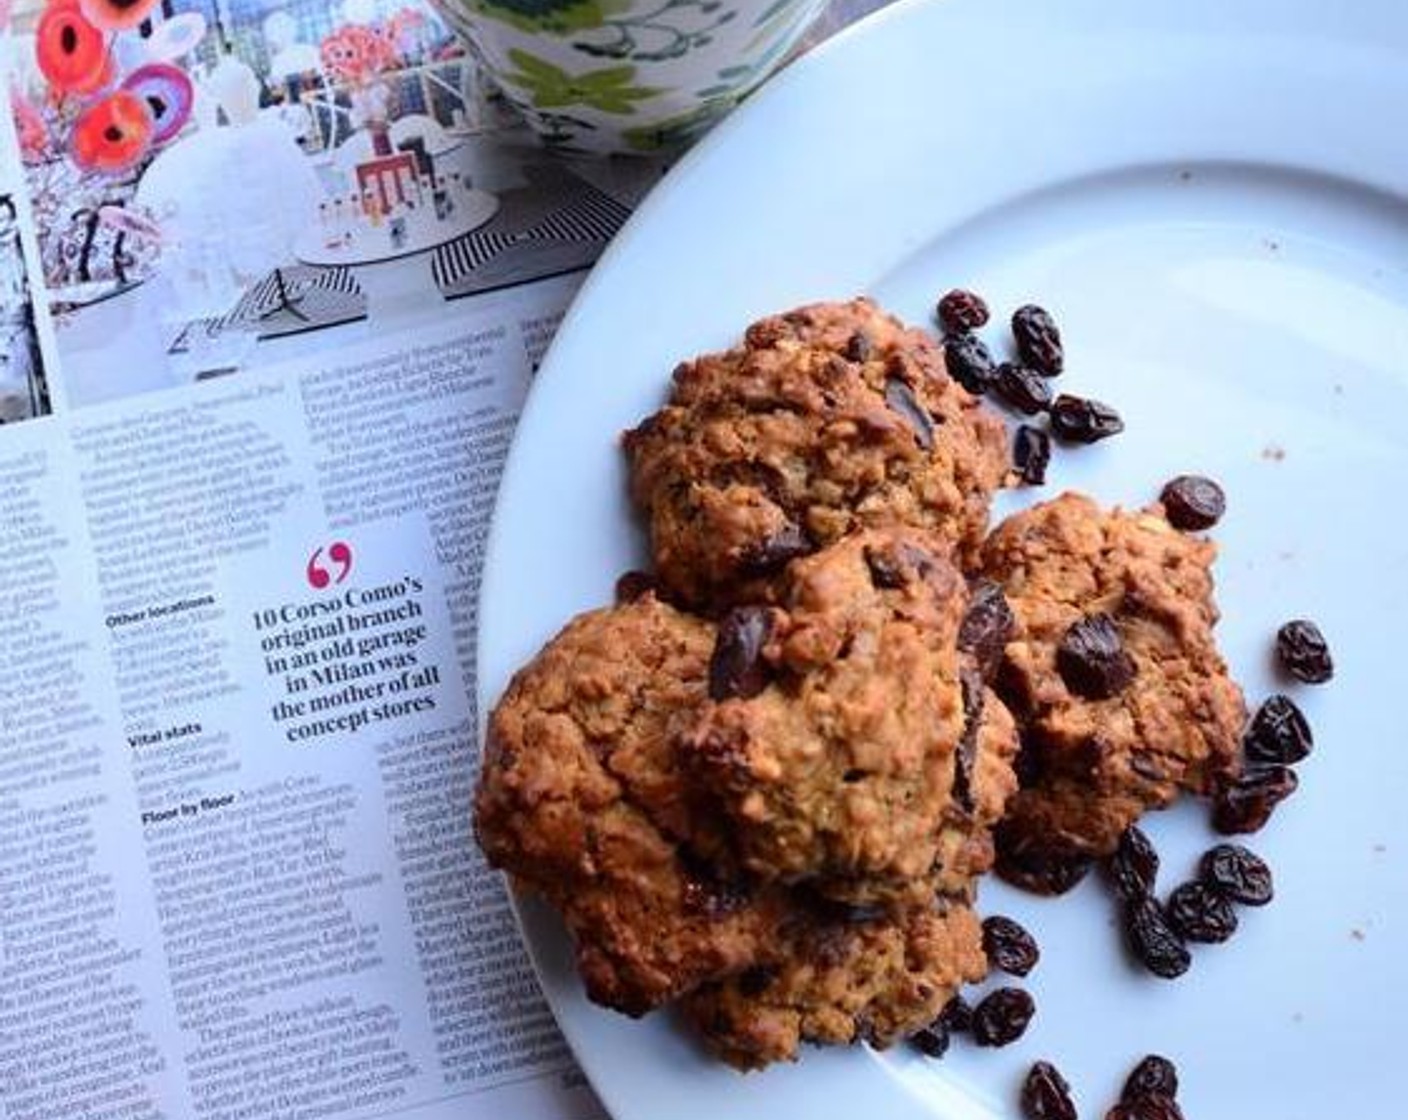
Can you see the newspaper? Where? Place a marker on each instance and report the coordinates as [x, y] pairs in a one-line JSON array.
[[247, 465]]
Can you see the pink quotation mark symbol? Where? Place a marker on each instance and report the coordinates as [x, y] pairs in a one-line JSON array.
[[340, 553]]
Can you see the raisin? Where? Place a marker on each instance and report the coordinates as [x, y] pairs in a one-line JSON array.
[[1193, 502], [1153, 941], [931, 1041], [971, 685], [960, 311], [988, 626], [1200, 913], [1154, 1075], [1046, 1095], [859, 347], [1134, 867], [899, 565], [1245, 804], [1025, 863], [969, 362], [1008, 946], [1151, 1106], [1237, 873], [737, 667], [1303, 651], [1278, 732], [900, 397], [634, 585], [1083, 420], [756, 980], [1002, 1017], [1024, 389], [764, 557], [1092, 659], [1031, 453], [957, 1016], [1038, 339]]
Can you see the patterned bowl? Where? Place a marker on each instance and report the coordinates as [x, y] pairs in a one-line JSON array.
[[627, 75]]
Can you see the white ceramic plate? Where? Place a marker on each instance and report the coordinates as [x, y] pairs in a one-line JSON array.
[[1211, 199]]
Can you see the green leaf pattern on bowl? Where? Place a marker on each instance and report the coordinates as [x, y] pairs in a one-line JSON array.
[[607, 89]]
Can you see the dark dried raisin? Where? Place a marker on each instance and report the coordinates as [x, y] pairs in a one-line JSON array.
[[1038, 339], [1134, 867], [957, 1016], [1009, 947], [931, 1041], [988, 626], [969, 362], [1031, 454], [1154, 1075], [1193, 502], [1200, 913], [1279, 732], [766, 556], [1026, 863], [1153, 941], [1083, 420], [737, 667], [1046, 1095], [971, 684], [1024, 389], [1092, 659], [1002, 1017], [1237, 873], [1303, 651], [960, 311], [900, 397], [634, 585], [1151, 1106], [1245, 804], [860, 347]]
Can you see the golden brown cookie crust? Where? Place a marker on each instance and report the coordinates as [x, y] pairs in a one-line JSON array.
[[1099, 763], [830, 418], [580, 800], [874, 981]]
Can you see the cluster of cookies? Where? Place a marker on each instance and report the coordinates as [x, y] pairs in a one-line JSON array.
[[764, 784]]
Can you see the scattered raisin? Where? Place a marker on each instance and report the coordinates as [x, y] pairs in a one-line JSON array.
[[1278, 732], [1092, 659], [900, 397], [969, 362], [988, 626], [1027, 864], [1154, 1075], [1193, 502], [957, 1016], [1134, 867], [771, 553], [1031, 453], [931, 1041], [1237, 873], [634, 585], [1245, 804], [1200, 913], [960, 311], [1046, 1095], [1009, 947], [1038, 339], [1303, 651], [1151, 1106], [1023, 388], [1002, 1017], [1083, 419], [1153, 941], [737, 667]]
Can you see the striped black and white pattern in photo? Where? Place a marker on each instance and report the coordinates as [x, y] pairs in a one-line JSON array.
[[322, 297]]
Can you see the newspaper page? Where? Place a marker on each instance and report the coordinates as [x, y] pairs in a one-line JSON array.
[[259, 378]]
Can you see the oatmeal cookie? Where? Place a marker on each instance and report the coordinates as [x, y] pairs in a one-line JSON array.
[[840, 759], [827, 419], [579, 798], [841, 982], [1113, 672]]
